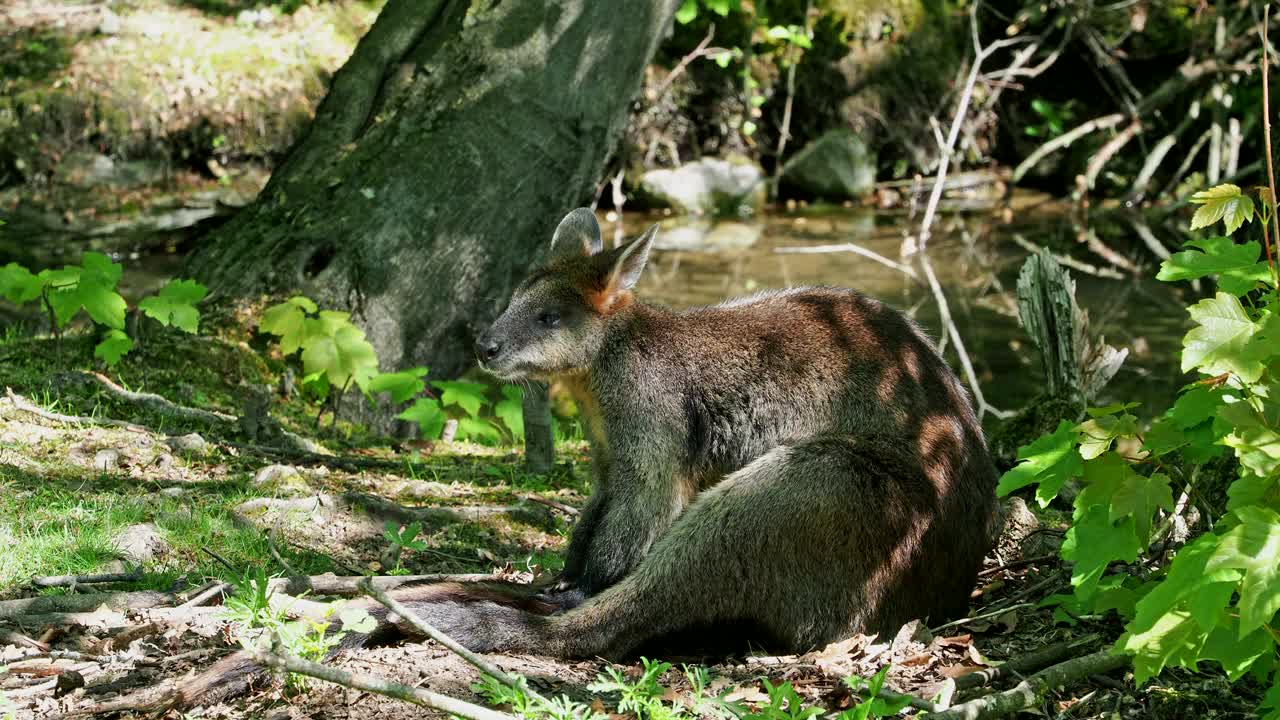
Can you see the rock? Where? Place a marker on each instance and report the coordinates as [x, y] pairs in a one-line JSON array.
[[706, 236], [189, 443], [89, 170], [838, 165], [106, 460], [141, 543], [173, 492], [283, 479], [707, 186], [110, 23]]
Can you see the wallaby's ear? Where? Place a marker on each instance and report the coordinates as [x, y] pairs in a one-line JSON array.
[[577, 235], [631, 260]]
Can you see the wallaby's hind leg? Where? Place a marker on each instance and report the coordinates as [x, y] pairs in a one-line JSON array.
[[812, 542]]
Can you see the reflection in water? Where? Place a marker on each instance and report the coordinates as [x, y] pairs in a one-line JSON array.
[[977, 260]]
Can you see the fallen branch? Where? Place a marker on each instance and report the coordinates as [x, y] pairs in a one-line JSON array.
[[1065, 140], [851, 248], [980, 616], [84, 603], [160, 405], [340, 586], [16, 638], [1029, 663], [430, 631], [1016, 564], [1069, 261], [22, 404], [205, 594], [1108, 151], [73, 580], [276, 658], [566, 509], [1031, 692]]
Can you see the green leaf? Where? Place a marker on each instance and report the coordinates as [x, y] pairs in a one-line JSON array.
[[1236, 265], [1218, 345], [65, 303], [18, 285], [687, 12], [1196, 405], [402, 386], [355, 619], [1253, 546], [1093, 542], [1188, 584], [1163, 437], [1175, 639], [1271, 701], [429, 416], [1234, 652], [1049, 461], [511, 410], [100, 269], [113, 347], [1251, 489], [331, 344], [1139, 497], [470, 428], [287, 320], [102, 302], [1111, 409], [174, 305], [468, 396], [1096, 435], [1224, 202], [1254, 436]]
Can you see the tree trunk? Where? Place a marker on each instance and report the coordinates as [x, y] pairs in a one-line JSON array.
[[447, 149]]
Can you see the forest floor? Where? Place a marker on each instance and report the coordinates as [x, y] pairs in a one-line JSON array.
[[185, 502]]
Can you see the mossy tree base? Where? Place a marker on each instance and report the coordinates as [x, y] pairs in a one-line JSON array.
[[447, 149]]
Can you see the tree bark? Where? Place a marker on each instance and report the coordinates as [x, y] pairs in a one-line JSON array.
[[449, 146]]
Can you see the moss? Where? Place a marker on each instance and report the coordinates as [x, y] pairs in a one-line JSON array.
[[172, 79]]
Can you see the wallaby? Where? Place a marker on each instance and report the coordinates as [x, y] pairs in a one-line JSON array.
[[802, 463]]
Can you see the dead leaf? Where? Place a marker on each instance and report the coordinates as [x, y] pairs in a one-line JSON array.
[[917, 659], [976, 656], [955, 671]]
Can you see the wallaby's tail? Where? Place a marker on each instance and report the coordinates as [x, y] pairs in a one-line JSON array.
[[808, 544]]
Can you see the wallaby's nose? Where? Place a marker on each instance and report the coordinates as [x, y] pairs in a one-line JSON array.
[[488, 348]]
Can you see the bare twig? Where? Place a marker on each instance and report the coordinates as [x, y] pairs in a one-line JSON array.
[[1266, 130], [1064, 140], [1068, 261], [425, 628], [1032, 691], [851, 248], [277, 658], [980, 616], [1016, 564], [1108, 151], [566, 509], [680, 67], [205, 594], [346, 586]]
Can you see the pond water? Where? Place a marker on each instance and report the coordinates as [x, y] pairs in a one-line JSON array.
[[976, 255]]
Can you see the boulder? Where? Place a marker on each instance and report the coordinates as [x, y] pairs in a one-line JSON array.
[[838, 166], [281, 479], [708, 236], [709, 186], [140, 543]]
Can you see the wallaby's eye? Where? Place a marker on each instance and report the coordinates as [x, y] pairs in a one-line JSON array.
[[549, 318]]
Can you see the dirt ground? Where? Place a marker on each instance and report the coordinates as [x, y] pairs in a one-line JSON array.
[[177, 501]]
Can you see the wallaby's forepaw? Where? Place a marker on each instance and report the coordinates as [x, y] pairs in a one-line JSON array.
[[563, 595]]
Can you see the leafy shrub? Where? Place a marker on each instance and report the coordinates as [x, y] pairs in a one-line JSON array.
[[92, 286], [1217, 599]]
